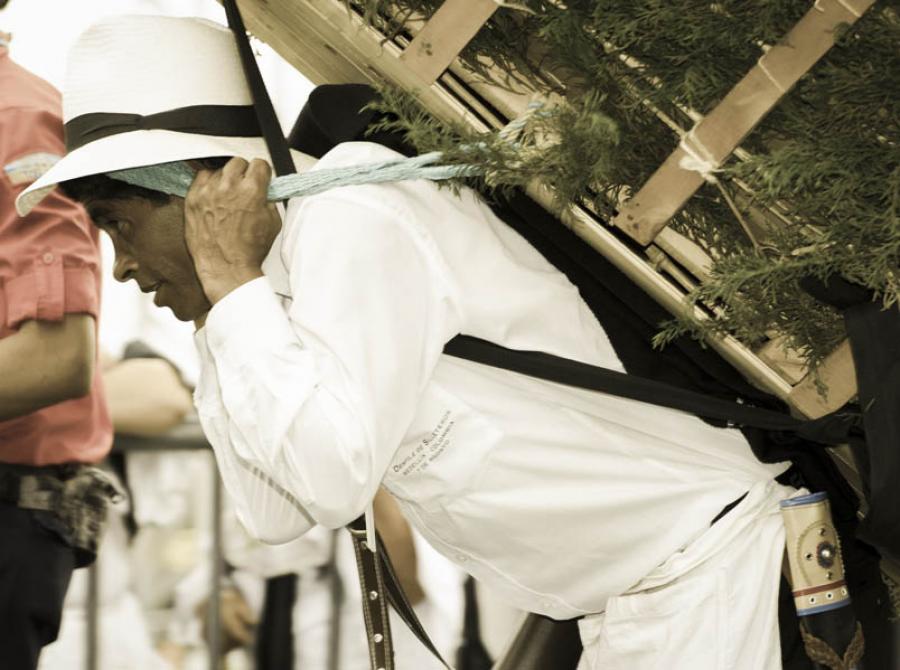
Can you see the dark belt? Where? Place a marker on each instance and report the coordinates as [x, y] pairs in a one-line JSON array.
[[71, 498]]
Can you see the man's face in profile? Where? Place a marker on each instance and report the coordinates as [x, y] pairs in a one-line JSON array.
[[150, 249]]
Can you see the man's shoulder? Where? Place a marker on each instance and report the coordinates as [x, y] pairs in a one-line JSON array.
[[347, 154], [31, 128], [25, 92]]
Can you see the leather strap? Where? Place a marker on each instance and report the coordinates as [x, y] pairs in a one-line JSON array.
[[396, 596], [374, 602], [265, 112]]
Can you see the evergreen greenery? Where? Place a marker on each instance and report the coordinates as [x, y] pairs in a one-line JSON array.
[[825, 160]]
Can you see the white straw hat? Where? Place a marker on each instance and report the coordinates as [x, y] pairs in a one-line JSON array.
[[141, 90]]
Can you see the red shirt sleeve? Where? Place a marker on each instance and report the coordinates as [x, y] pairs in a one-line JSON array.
[[49, 260]]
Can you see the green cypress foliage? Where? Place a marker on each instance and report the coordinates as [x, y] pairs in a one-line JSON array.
[[823, 165]]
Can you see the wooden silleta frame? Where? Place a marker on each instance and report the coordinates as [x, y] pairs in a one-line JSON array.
[[337, 46]]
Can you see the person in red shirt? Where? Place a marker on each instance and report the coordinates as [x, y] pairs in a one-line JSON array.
[[53, 416]]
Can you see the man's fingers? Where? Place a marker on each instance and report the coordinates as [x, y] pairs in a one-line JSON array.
[[201, 179], [237, 617], [259, 173], [259, 170], [245, 612], [234, 169]]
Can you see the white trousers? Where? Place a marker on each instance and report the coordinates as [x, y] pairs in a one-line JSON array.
[[711, 606]]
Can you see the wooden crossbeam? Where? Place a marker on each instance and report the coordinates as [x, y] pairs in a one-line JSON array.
[[717, 135], [445, 35]]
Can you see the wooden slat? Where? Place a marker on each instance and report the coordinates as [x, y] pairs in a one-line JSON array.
[[329, 44], [689, 254], [838, 373], [448, 31], [716, 136]]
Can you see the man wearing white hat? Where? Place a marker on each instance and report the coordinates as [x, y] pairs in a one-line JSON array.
[[321, 332]]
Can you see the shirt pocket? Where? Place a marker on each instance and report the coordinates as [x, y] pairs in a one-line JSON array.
[[681, 626], [443, 451]]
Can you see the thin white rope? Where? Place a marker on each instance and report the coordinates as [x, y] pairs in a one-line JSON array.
[[762, 66], [698, 158], [843, 3]]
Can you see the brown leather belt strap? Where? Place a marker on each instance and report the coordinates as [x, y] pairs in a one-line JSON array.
[[374, 603], [380, 586]]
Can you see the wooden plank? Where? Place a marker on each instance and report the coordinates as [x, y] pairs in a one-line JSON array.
[[448, 31], [314, 55], [330, 44], [714, 137], [838, 373]]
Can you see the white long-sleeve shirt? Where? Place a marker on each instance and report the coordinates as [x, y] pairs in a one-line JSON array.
[[325, 378]]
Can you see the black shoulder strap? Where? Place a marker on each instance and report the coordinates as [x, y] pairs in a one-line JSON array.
[[831, 429], [265, 113]]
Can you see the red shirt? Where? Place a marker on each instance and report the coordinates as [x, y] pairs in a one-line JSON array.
[[49, 267]]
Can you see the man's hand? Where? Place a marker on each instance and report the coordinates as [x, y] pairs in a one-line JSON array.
[[237, 619], [229, 225]]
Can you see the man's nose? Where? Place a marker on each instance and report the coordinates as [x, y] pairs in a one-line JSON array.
[[124, 267]]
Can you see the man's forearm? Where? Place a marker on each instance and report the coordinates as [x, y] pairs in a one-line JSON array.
[[145, 396], [45, 363]]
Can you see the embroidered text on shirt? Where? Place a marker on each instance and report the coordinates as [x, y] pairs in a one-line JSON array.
[[429, 449]]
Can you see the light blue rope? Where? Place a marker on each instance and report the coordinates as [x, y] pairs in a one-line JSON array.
[[175, 178]]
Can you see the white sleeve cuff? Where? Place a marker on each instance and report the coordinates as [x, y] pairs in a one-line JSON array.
[[246, 322]]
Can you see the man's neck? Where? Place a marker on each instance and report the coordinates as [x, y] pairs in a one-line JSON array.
[[5, 39]]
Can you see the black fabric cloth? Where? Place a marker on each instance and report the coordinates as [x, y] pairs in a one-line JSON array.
[[631, 318], [472, 654], [275, 635], [35, 569], [874, 334]]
